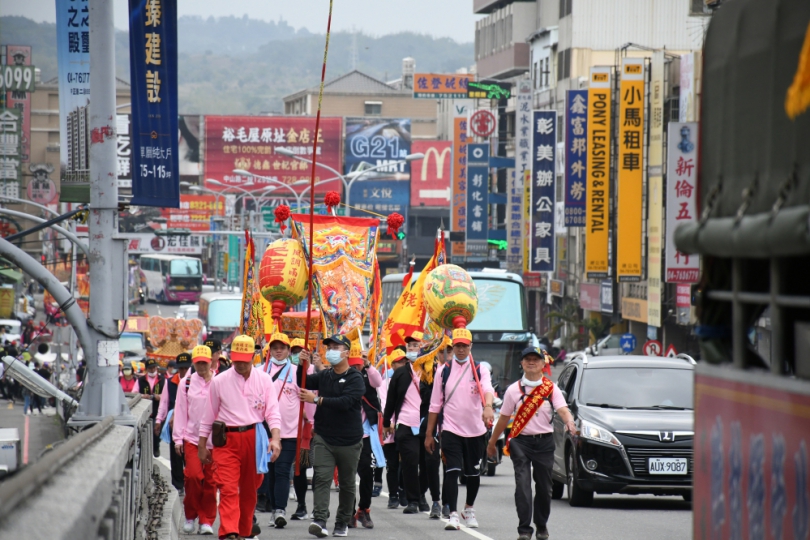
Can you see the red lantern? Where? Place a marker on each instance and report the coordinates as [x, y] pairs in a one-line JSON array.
[[282, 213], [331, 199], [395, 221]]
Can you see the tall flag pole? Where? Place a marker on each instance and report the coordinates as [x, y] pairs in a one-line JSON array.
[[305, 365]]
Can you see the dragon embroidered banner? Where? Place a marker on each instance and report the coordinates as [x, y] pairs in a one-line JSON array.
[[343, 260]]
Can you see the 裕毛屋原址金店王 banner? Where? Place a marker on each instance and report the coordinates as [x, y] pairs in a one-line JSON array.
[[343, 257]]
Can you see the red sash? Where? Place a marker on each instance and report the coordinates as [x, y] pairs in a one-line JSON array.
[[528, 409]]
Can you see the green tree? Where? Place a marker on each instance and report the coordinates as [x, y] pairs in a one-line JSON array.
[[587, 330]]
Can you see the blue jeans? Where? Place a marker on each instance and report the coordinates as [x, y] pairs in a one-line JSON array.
[[276, 483], [26, 402]]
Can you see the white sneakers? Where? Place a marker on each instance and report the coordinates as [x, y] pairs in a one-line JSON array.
[[452, 523], [188, 528], [206, 529], [468, 515]]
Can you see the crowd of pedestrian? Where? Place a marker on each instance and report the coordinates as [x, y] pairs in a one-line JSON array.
[[233, 429]]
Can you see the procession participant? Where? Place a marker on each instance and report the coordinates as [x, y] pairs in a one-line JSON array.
[[129, 383], [300, 480], [403, 405], [531, 441], [178, 369], [338, 433], [239, 400], [151, 385], [463, 394], [369, 415], [216, 354], [395, 360], [276, 485], [429, 463], [200, 501]]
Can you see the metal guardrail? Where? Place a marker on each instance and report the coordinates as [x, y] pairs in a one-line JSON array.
[[27, 481]]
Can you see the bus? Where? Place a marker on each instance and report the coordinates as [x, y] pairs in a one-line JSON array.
[[220, 314], [172, 278], [500, 329]]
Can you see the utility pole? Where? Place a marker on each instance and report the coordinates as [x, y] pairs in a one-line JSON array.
[[102, 394]]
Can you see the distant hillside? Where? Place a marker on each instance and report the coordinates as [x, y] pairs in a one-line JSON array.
[[234, 65]]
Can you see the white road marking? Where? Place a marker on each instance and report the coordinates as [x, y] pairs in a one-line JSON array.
[[471, 532], [165, 461]]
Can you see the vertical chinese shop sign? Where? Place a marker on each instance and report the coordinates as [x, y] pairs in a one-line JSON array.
[[541, 226], [153, 74], [477, 198], [458, 204], [523, 155], [655, 190], [682, 167], [576, 157], [598, 186], [631, 174]]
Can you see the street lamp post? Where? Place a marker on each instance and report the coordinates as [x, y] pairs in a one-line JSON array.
[[353, 177]]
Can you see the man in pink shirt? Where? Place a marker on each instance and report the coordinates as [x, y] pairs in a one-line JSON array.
[[275, 488], [403, 417], [191, 401], [241, 398], [531, 441], [463, 393]]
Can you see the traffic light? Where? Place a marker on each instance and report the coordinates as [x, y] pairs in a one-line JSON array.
[[401, 235], [500, 244]]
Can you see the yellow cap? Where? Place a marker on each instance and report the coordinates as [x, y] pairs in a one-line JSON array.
[[395, 356], [462, 335], [415, 336], [201, 353], [242, 349], [297, 342], [280, 337]]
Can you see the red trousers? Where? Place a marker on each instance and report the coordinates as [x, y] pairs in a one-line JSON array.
[[201, 492], [235, 476]]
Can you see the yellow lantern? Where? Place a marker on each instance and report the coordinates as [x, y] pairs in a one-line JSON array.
[[283, 275], [450, 296]]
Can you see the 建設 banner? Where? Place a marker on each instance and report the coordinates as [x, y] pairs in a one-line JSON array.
[[153, 78]]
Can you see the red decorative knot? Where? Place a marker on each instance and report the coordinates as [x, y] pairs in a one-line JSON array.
[[395, 221], [332, 199], [282, 213]]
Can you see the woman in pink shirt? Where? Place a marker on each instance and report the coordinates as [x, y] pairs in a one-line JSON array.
[[200, 501], [531, 442], [275, 488]]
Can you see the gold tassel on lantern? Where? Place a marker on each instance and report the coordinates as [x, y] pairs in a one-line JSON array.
[[798, 95]]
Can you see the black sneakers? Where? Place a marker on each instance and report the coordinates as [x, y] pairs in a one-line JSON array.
[[363, 517], [542, 533], [318, 528], [423, 504], [393, 502], [412, 508], [341, 529], [300, 513]]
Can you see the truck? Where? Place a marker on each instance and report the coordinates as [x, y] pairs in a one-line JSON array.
[[752, 385]]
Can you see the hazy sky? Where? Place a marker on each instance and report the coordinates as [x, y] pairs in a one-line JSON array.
[[443, 18]]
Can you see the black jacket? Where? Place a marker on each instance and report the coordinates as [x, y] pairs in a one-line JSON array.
[[143, 386], [398, 387], [337, 419]]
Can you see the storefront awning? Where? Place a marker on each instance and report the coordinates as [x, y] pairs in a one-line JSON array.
[[10, 275]]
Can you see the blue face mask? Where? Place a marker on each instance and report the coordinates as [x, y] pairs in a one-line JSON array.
[[333, 357], [390, 372], [294, 358]]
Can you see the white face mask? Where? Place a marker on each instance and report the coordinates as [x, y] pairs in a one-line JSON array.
[[333, 357], [412, 356], [151, 375], [173, 371], [461, 360], [278, 362], [531, 384]]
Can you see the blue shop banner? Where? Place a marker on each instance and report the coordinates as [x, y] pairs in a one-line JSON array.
[[541, 213], [477, 198], [381, 197], [153, 75], [576, 157]]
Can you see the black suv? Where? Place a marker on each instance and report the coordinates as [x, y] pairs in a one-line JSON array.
[[635, 420]]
